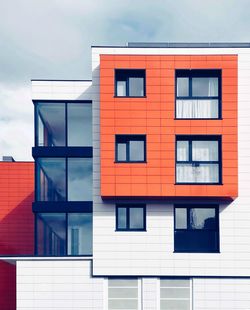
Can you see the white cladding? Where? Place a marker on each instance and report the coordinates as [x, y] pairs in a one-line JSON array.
[[58, 284], [151, 252]]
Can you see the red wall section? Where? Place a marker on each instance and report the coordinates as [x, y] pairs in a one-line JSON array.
[[7, 286], [154, 116], [16, 217]]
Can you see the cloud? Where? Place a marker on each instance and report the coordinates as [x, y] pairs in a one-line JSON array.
[[16, 122], [52, 39]]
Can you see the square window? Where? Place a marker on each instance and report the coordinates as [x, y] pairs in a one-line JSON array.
[[130, 148], [198, 94], [198, 160], [130, 83], [196, 228], [130, 217]]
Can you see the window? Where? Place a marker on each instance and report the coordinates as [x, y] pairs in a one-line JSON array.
[[59, 234], [198, 159], [175, 294], [64, 179], [63, 124], [123, 294], [196, 229], [130, 217], [198, 94], [130, 148], [130, 83]]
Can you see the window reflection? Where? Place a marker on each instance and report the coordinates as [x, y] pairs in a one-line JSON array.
[[51, 179], [79, 124], [61, 234], [79, 179], [51, 124], [80, 234]]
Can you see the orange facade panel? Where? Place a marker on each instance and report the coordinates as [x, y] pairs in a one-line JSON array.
[[153, 115]]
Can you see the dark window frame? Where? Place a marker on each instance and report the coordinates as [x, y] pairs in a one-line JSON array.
[[37, 189], [189, 229], [129, 73], [128, 207], [196, 73], [36, 215], [65, 102], [126, 138], [191, 138]]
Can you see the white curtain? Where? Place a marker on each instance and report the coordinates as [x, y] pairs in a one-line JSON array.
[[205, 150], [203, 173], [182, 151], [121, 88], [197, 108]]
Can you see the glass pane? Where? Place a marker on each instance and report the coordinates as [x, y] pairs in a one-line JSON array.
[[182, 150], [123, 282], [80, 233], [205, 151], [40, 233], [51, 124], [182, 87], [80, 179], [175, 283], [197, 108], [180, 218], [175, 304], [205, 87], [175, 293], [203, 173], [121, 152], [196, 240], [121, 88], [202, 218], [123, 292], [51, 179], [122, 218], [79, 124], [54, 233], [136, 151], [136, 218], [123, 304], [136, 86]]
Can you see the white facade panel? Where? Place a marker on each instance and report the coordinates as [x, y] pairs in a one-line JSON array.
[[221, 294], [58, 285]]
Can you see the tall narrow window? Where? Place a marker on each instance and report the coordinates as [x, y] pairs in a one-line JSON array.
[[175, 294], [130, 82], [123, 294], [198, 94], [198, 159]]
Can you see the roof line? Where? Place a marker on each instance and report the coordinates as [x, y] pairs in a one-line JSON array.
[[178, 45], [55, 80]]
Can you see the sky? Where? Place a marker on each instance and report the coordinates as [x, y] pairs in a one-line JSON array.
[[51, 39]]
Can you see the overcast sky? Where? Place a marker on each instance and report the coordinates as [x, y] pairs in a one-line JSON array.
[[52, 39]]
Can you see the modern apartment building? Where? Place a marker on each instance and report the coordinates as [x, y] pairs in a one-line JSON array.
[[142, 182]]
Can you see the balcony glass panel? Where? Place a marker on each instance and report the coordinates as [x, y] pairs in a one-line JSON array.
[[51, 124], [200, 173], [51, 176], [79, 124], [197, 108], [79, 179]]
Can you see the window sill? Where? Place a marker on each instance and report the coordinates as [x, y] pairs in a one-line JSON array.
[[130, 230], [198, 119], [130, 162], [197, 252], [198, 184], [130, 96]]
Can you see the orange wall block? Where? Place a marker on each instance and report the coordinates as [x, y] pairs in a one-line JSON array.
[[154, 116]]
